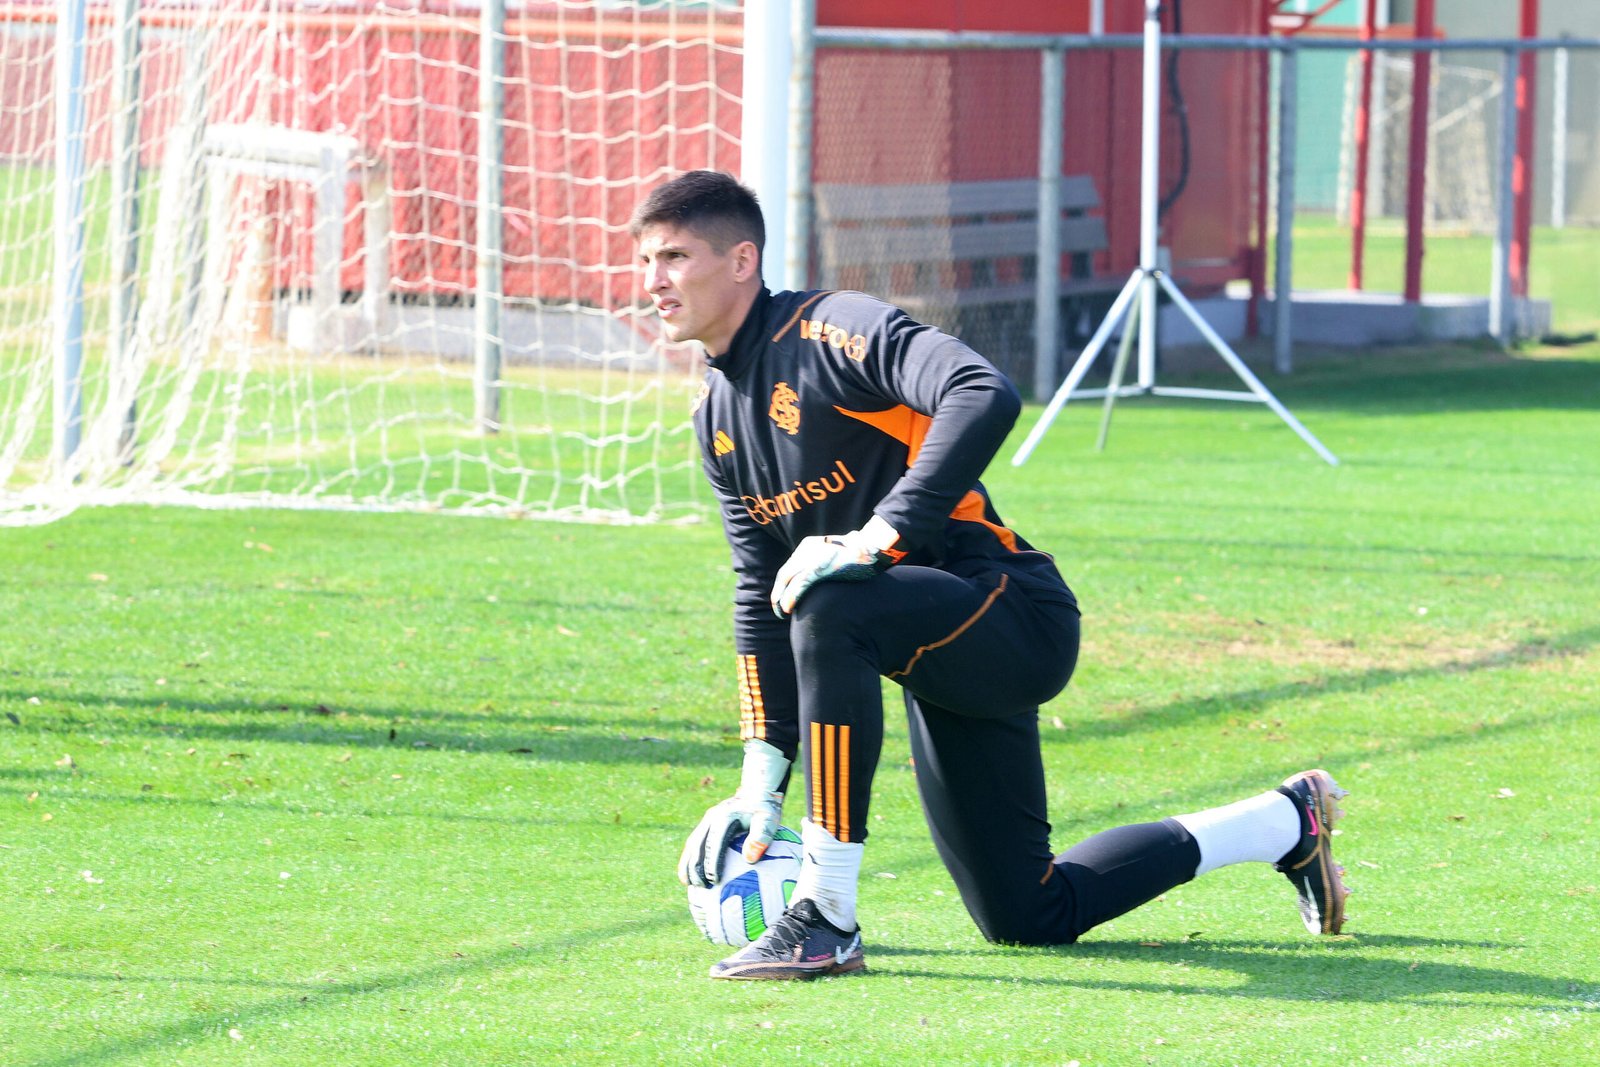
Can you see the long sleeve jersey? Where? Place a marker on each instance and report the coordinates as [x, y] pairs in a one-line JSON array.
[[829, 407]]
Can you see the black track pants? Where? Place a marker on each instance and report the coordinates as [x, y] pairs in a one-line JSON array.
[[975, 657]]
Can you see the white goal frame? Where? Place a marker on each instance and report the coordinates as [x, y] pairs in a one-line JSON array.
[[234, 338]]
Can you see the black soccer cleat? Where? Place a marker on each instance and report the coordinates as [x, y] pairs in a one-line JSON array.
[[801, 944], [1309, 865]]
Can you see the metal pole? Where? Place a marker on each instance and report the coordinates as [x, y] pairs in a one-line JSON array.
[[1500, 294], [327, 243], [1119, 307], [1283, 269], [68, 230], [764, 151], [1558, 145], [199, 43], [1417, 164], [1119, 366], [1231, 357], [998, 40], [1047, 276], [1149, 209], [489, 289], [1257, 266], [126, 104], [1142, 285], [802, 103], [1522, 166], [376, 218], [1363, 139]]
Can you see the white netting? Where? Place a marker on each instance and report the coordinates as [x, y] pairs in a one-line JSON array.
[[281, 308], [1463, 120]]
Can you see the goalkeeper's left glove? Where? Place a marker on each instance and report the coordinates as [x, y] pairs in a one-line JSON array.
[[852, 557], [756, 808]]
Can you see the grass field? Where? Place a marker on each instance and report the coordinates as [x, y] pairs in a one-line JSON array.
[[306, 787], [392, 430], [1563, 268]]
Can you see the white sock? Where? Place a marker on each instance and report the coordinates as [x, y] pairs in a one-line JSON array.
[[1259, 829], [829, 873]]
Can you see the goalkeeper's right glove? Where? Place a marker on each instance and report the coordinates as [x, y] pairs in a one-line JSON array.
[[757, 808]]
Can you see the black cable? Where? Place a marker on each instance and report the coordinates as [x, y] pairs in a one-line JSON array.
[[1180, 111]]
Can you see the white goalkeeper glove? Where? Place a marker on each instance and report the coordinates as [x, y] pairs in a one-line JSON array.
[[852, 557], [757, 808]]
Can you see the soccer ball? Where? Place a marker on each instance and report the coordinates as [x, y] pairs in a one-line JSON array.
[[749, 896]]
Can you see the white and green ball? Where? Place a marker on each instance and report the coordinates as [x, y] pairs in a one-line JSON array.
[[748, 897]]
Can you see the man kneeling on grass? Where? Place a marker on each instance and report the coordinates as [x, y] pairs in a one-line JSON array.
[[844, 442]]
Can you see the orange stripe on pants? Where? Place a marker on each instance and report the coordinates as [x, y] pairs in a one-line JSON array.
[[843, 818], [752, 708], [830, 791], [815, 772], [829, 770]]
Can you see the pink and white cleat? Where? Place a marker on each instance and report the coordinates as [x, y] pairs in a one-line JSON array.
[[1317, 880]]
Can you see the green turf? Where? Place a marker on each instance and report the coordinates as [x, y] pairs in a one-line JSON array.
[[307, 787], [1563, 267], [388, 430]]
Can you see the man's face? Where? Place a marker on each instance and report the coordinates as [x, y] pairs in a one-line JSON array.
[[701, 294]]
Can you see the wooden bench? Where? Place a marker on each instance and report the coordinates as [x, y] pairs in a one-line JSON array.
[[962, 256]]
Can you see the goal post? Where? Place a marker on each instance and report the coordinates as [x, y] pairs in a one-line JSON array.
[[344, 257]]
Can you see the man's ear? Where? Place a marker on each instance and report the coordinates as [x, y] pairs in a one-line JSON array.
[[746, 261]]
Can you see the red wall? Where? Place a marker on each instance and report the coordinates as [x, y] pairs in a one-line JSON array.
[[1046, 16], [637, 109], [984, 106], [586, 132]]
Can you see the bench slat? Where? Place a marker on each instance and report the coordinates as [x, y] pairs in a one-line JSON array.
[[837, 202], [865, 246], [926, 300]]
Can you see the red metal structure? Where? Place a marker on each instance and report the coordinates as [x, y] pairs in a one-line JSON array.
[[1522, 166], [405, 85], [584, 138], [1416, 186], [1210, 227], [1363, 139]]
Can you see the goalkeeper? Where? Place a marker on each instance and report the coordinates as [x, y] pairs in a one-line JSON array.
[[844, 442]]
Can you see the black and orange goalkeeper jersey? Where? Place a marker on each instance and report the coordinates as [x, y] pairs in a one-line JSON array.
[[829, 407]]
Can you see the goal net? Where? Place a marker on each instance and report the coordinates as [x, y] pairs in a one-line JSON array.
[[240, 253], [1463, 130]]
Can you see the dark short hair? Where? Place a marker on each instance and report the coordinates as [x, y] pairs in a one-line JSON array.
[[710, 205]]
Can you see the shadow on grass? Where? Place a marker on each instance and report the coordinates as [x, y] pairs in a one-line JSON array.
[[1341, 971], [565, 736], [1188, 794], [1186, 712], [162, 1040], [347, 810], [1404, 554], [571, 736], [1167, 796]]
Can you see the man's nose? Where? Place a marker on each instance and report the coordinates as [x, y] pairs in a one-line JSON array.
[[653, 277]]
